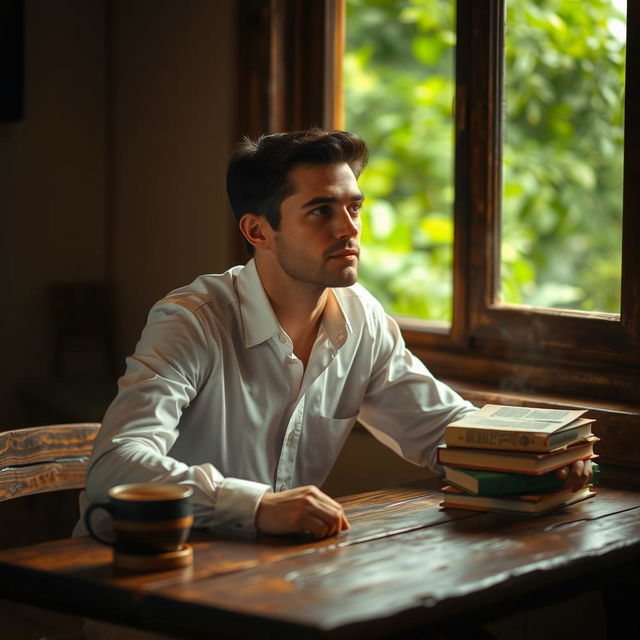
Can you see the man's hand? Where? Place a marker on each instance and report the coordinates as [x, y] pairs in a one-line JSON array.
[[300, 510], [577, 475]]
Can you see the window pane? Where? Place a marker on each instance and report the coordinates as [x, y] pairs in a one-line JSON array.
[[399, 87], [563, 153]]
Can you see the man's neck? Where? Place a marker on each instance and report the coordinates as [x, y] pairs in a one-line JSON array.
[[298, 306]]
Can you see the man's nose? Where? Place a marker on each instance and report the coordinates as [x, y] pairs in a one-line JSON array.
[[347, 226]]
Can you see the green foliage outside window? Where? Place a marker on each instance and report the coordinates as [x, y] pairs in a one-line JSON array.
[[399, 90], [562, 151]]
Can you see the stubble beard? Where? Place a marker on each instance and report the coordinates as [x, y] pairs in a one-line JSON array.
[[298, 267]]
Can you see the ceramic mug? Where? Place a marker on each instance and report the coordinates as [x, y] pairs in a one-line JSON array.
[[147, 518]]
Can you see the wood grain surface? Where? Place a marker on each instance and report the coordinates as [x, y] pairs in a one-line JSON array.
[[405, 563], [44, 444], [42, 459], [419, 577]]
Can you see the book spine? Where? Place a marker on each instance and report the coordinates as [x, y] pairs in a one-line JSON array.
[[512, 483], [496, 439], [514, 464]]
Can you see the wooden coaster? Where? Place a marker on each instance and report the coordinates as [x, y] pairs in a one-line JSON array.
[[181, 557]]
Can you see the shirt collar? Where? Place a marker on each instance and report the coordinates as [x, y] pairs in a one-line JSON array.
[[335, 321], [260, 322], [258, 318]]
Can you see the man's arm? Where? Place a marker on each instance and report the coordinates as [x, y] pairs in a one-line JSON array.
[[405, 406], [172, 360], [408, 409]]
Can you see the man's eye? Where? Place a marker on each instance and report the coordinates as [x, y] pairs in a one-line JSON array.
[[320, 211], [355, 208]]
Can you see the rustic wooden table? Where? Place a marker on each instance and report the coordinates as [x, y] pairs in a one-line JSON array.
[[405, 564]]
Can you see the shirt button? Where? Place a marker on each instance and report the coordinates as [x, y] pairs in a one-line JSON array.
[[282, 339]]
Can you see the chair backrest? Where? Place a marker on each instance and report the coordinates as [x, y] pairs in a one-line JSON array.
[[42, 459]]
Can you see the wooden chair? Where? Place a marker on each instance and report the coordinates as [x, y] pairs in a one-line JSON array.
[[43, 459], [33, 461]]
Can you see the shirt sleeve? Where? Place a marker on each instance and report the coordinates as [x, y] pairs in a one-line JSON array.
[[172, 360], [405, 407]]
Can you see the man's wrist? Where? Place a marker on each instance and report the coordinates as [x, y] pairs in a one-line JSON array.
[[237, 504]]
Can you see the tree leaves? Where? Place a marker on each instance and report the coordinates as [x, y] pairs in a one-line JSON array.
[[563, 150]]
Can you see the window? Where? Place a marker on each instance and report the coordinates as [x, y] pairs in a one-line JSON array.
[[595, 354], [399, 85], [291, 52], [563, 150]]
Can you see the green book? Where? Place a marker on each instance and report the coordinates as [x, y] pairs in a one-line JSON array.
[[494, 483]]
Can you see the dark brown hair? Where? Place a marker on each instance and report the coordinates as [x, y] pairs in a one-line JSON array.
[[258, 174]]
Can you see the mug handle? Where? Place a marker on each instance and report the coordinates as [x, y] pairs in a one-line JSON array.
[[87, 522]]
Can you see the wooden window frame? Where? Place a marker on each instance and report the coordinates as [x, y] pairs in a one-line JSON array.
[[548, 350], [289, 54]]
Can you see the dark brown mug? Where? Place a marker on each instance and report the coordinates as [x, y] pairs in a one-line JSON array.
[[147, 518]]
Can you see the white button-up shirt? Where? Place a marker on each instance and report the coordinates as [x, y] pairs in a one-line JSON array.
[[214, 397]]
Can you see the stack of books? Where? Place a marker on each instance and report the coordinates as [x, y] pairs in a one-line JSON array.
[[504, 458]]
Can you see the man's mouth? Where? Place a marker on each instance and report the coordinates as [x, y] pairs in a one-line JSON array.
[[346, 254]]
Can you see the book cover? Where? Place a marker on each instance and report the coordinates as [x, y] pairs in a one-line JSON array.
[[515, 461], [493, 483], [485, 436], [530, 504]]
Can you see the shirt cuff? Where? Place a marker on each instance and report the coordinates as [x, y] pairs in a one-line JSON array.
[[236, 504]]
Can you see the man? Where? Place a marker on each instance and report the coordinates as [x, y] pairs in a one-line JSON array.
[[245, 385]]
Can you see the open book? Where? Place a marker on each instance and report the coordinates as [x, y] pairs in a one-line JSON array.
[[518, 428]]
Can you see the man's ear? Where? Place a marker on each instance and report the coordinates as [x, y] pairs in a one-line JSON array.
[[256, 230]]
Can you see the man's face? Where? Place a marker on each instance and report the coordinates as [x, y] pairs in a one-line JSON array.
[[317, 242]]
